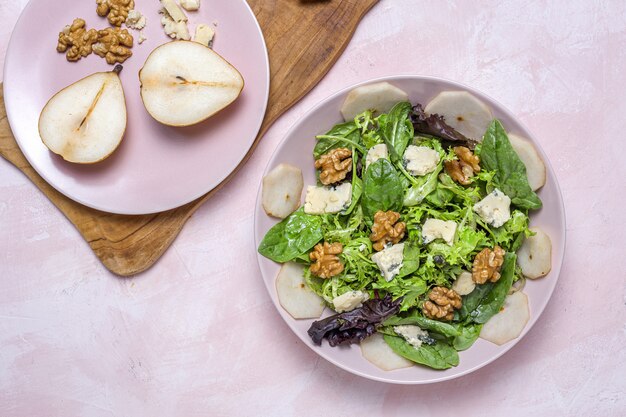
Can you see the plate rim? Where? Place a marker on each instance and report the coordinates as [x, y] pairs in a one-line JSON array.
[[557, 265], [226, 175]]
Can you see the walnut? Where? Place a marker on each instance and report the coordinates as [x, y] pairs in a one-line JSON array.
[[76, 40], [326, 263], [464, 168], [335, 165], [487, 265], [386, 229], [116, 11], [114, 45], [442, 303]]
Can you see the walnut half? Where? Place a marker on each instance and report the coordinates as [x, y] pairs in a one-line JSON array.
[[487, 265], [114, 45], [326, 263], [334, 165], [442, 303], [464, 168], [76, 41], [386, 229], [116, 11]]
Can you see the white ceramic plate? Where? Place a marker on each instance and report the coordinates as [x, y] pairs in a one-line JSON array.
[[297, 148], [156, 167]]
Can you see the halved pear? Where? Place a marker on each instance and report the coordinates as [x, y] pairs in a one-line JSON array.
[[85, 122], [462, 111], [184, 83]]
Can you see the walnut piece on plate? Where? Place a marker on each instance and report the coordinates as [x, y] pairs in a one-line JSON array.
[[76, 41], [386, 229], [334, 165], [487, 265], [326, 263], [463, 168], [114, 45], [116, 11], [442, 303]]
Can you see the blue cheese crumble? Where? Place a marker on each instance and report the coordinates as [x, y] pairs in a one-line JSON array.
[[320, 200], [495, 209], [438, 229], [421, 160], [390, 260]]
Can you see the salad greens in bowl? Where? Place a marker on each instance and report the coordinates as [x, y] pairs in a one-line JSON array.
[[409, 229]]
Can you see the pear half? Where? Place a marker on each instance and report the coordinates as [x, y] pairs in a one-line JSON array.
[[85, 122], [184, 83]]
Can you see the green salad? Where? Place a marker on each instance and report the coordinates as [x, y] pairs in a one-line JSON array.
[[411, 232]]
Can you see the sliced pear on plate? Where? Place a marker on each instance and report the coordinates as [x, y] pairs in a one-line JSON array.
[[534, 257], [379, 97], [535, 168], [85, 122], [509, 322], [463, 111], [295, 295], [184, 83], [378, 352], [282, 190]]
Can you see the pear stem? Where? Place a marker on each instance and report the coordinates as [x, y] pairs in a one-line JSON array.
[[117, 69]]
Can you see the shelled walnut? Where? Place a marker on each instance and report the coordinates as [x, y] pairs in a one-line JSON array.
[[114, 45], [442, 303], [116, 11], [76, 41], [386, 229], [334, 165], [487, 265], [463, 168], [326, 263]]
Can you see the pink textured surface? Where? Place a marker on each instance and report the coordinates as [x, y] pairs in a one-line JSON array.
[[198, 335]]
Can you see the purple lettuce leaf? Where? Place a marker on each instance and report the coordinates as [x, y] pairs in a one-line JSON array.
[[436, 125], [354, 326]]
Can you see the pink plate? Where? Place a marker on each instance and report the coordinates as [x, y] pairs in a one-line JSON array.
[[297, 148], [156, 167]]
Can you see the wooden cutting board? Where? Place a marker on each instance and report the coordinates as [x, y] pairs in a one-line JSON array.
[[304, 39]]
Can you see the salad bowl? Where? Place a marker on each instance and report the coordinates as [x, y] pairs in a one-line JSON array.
[[296, 149]]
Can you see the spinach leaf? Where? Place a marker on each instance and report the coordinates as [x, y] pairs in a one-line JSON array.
[[438, 356], [491, 304], [472, 300], [341, 135], [467, 336], [410, 261], [487, 299], [292, 237], [421, 188], [445, 329], [497, 154], [357, 184], [382, 188], [397, 130]]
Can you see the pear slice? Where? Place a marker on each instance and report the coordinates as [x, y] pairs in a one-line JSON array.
[[85, 122], [509, 322], [378, 352], [184, 83], [462, 111], [294, 294], [534, 257], [379, 97]]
